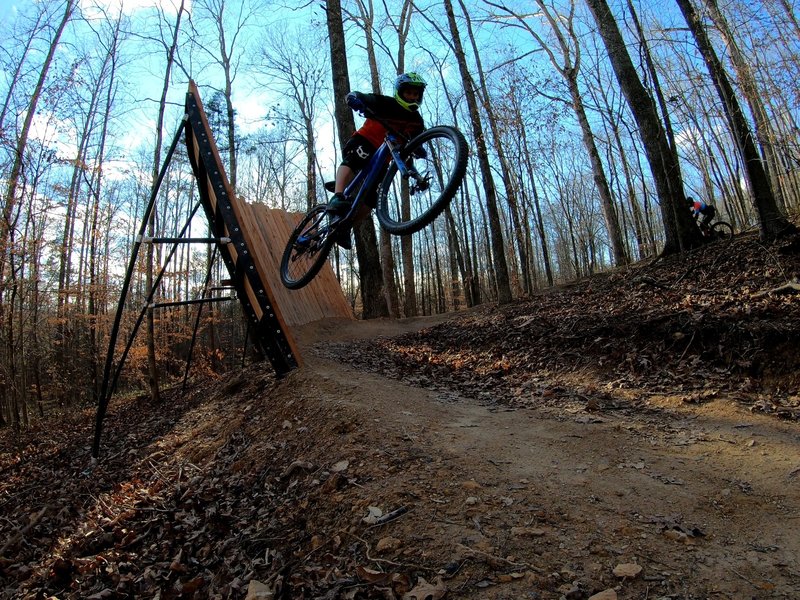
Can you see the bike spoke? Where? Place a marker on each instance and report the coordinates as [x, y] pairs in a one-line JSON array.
[[306, 250], [408, 204]]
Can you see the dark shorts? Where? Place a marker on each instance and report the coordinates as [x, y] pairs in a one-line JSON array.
[[357, 152], [708, 214]]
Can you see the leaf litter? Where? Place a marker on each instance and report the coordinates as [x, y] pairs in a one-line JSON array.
[[524, 451]]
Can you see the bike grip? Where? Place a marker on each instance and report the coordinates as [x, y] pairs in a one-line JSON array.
[[355, 102]]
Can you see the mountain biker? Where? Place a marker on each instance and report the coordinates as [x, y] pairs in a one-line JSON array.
[[701, 210], [400, 112]]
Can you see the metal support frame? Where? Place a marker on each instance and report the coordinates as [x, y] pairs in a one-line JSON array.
[[109, 383], [197, 319], [175, 240], [216, 197], [264, 324], [187, 302]]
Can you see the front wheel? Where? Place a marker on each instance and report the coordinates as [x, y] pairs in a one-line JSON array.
[[307, 249], [722, 230], [437, 158]]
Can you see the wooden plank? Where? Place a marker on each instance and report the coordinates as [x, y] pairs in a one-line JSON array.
[[230, 249], [321, 298], [265, 232], [261, 247]]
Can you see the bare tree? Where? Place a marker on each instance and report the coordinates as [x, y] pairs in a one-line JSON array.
[[96, 300], [297, 71], [773, 223], [568, 66], [13, 180], [366, 20], [10, 204], [678, 226], [152, 368], [372, 296], [505, 168], [229, 27], [520, 126], [268, 165], [17, 61], [458, 238], [502, 283]]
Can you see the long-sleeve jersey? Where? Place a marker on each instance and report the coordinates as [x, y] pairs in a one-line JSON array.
[[699, 208], [404, 121]]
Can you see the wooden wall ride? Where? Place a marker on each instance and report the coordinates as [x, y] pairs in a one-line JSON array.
[[258, 236], [268, 229]]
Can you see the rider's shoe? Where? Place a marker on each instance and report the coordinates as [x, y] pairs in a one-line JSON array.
[[338, 205], [342, 238]]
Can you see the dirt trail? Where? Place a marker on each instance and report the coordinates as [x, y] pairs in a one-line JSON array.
[[539, 502]]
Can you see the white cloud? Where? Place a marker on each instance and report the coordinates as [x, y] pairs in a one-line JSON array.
[[251, 111], [94, 8], [49, 131]]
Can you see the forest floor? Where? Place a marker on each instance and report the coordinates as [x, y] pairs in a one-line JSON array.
[[634, 435]]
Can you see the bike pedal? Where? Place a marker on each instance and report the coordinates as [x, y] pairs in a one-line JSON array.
[[342, 238]]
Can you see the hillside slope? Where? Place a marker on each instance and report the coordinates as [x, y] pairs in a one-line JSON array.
[[633, 435]]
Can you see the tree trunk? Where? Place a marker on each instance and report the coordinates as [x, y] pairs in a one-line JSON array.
[[456, 259], [11, 200], [406, 242], [505, 169], [548, 268], [95, 302], [311, 163], [502, 283], [474, 283], [527, 163], [599, 175], [7, 219], [367, 13], [28, 40], [152, 366], [766, 134], [679, 226], [772, 222], [569, 68], [372, 296]]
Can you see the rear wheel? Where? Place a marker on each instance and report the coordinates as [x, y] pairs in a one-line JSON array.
[[722, 230], [438, 158], [307, 249]]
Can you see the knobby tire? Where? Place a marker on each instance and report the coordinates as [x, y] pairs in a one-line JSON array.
[[307, 249], [722, 230], [444, 167]]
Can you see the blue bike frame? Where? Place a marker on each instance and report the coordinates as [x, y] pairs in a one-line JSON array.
[[367, 178]]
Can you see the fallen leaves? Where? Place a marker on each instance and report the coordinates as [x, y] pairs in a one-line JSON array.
[[224, 492], [703, 339], [427, 591]]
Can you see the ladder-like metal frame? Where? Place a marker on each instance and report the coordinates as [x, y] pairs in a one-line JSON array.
[[217, 198], [265, 324]]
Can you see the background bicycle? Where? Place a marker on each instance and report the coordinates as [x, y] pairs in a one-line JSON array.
[[717, 231]]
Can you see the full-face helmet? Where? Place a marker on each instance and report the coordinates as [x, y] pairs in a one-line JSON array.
[[409, 81]]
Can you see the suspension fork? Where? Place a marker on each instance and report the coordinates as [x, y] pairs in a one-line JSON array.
[[405, 170]]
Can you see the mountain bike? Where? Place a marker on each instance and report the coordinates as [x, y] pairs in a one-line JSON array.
[[717, 231], [415, 181]]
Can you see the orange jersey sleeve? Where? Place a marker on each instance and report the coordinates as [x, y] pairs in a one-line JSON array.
[[373, 131]]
